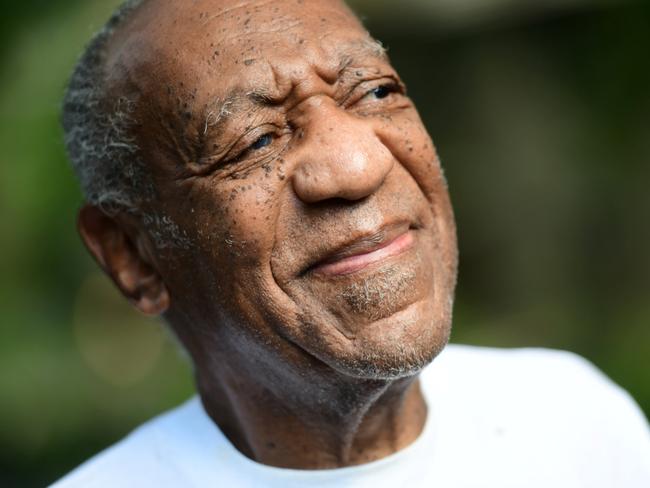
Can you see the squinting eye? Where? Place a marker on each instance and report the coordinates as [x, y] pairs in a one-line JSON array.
[[262, 142], [383, 91]]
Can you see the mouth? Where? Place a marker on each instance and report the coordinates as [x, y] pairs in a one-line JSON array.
[[354, 256]]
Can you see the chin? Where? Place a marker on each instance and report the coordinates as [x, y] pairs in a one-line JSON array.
[[390, 364], [391, 348], [384, 323]]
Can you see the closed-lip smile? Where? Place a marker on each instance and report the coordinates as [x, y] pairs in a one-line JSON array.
[[353, 256]]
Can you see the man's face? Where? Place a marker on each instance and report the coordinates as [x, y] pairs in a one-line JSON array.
[[284, 148]]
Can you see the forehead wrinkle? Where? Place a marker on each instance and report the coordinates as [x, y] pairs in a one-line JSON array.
[[233, 8], [237, 100], [282, 27]]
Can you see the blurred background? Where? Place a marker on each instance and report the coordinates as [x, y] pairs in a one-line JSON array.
[[541, 113]]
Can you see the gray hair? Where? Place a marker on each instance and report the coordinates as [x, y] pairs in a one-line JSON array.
[[97, 130], [100, 144]]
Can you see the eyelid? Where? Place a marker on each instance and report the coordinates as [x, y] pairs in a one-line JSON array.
[[365, 87], [244, 144], [237, 151]]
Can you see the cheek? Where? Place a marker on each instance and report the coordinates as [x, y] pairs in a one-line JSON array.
[[410, 143], [233, 220], [230, 224]]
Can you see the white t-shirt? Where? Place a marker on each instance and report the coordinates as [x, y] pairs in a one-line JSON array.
[[497, 418]]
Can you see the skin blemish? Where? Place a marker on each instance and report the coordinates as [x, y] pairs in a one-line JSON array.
[[248, 62]]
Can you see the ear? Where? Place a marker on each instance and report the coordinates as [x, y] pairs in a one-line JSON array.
[[123, 260]]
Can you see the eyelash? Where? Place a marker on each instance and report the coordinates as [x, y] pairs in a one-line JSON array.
[[268, 137], [388, 89], [379, 92]]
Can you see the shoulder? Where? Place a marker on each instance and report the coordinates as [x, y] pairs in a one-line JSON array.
[[521, 364], [143, 458], [541, 404], [543, 376]]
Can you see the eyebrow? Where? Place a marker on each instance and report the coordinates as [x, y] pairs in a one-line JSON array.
[[222, 109], [368, 47]]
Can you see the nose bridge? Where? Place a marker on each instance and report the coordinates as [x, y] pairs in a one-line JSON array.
[[340, 156]]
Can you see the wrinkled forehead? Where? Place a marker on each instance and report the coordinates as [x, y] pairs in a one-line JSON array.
[[215, 46]]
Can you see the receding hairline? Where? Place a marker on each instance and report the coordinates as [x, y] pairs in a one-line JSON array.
[[136, 8], [126, 39]]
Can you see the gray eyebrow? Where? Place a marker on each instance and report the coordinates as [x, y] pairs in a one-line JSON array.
[[369, 46], [221, 109]]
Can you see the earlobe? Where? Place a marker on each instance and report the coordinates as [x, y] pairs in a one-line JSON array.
[[122, 260]]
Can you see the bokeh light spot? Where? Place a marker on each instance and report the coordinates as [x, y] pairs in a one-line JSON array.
[[116, 342]]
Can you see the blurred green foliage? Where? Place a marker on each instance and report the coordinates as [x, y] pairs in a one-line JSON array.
[[543, 125]]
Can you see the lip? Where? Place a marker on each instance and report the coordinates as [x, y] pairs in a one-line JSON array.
[[356, 255]]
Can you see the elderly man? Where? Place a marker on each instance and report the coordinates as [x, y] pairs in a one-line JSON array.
[[255, 173]]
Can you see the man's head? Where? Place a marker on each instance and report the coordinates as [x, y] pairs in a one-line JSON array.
[[255, 172]]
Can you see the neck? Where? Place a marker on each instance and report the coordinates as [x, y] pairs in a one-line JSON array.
[[335, 422]]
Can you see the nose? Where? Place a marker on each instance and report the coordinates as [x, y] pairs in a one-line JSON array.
[[340, 156]]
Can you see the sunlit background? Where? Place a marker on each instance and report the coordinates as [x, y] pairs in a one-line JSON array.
[[541, 114]]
